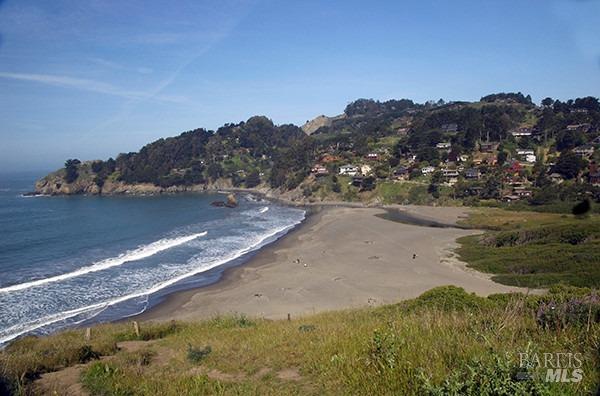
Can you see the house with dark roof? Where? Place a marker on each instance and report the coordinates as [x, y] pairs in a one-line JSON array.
[[473, 173], [401, 173]]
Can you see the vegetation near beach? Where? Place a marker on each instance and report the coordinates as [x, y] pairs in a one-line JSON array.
[[536, 250], [444, 342]]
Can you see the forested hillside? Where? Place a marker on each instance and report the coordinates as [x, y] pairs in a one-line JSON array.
[[503, 148]]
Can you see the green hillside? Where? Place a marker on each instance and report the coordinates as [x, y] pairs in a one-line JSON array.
[[503, 149]]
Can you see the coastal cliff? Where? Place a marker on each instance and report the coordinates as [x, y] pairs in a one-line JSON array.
[[86, 183]]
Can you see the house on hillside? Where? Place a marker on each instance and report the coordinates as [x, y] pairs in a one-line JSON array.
[[357, 181], [401, 173], [524, 152], [348, 170], [585, 127], [488, 147], [585, 151], [319, 170], [556, 178], [527, 155], [372, 156], [510, 198], [450, 176], [427, 170], [443, 146], [450, 128], [365, 169], [521, 192], [473, 174], [521, 132]]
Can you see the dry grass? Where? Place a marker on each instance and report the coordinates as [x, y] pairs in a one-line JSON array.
[[409, 348]]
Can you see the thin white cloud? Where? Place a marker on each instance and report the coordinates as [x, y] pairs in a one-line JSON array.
[[117, 66], [88, 85]]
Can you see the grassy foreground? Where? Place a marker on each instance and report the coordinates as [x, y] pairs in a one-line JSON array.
[[535, 249], [444, 342]]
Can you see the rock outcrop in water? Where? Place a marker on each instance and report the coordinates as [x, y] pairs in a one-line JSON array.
[[231, 202]]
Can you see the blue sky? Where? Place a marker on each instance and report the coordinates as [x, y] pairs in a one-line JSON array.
[[90, 79]]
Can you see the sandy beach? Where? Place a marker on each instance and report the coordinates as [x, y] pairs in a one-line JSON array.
[[340, 257]]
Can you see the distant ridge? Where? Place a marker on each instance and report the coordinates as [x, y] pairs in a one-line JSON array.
[[313, 125]]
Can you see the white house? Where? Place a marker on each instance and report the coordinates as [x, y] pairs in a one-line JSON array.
[[525, 152], [522, 132], [530, 158], [319, 170], [349, 170], [365, 169], [427, 170], [443, 145], [584, 151]]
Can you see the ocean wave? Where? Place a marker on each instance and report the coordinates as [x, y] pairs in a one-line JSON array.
[[140, 253], [15, 331], [263, 210]]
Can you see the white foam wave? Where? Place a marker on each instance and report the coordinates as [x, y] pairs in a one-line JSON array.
[[23, 328], [263, 210], [140, 253]]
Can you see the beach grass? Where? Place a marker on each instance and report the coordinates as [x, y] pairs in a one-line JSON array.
[[444, 342], [531, 249]]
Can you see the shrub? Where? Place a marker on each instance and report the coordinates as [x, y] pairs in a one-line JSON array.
[[496, 377], [196, 355], [448, 298], [306, 328], [383, 350], [578, 311], [86, 353]]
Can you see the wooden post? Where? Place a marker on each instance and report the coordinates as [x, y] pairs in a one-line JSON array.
[[289, 317], [136, 328], [88, 334]]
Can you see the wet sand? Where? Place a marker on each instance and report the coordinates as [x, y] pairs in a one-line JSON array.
[[340, 257]]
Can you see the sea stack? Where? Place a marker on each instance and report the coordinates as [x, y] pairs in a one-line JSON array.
[[231, 201]]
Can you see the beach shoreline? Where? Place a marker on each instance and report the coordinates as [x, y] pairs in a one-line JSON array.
[[339, 257]]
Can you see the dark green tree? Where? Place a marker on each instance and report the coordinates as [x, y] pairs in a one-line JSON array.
[[253, 179], [71, 173], [569, 165]]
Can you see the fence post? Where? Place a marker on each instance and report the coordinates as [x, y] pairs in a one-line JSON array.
[[136, 328]]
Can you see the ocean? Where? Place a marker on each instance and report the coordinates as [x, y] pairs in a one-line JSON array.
[[72, 261]]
